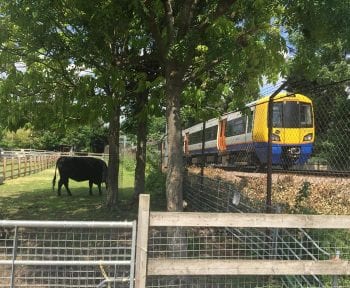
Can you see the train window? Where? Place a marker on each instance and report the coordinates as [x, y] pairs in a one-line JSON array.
[[235, 127], [211, 133], [195, 138], [291, 116], [305, 115], [277, 115], [250, 122]]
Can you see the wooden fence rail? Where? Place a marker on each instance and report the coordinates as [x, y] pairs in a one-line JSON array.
[[23, 162], [22, 165], [181, 267]]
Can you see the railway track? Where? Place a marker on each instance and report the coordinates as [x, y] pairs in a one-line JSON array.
[[276, 170]]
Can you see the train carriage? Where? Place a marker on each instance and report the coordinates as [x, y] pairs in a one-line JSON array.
[[193, 141], [241, 138]]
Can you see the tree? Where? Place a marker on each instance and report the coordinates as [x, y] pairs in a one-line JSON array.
[[234, 42], [61, 41]]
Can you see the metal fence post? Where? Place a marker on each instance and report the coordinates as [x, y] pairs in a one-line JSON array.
[[269, 148], [14, 254]]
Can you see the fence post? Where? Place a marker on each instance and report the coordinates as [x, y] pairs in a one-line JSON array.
[[142, 241], [25, 165], [19, 166], [4, 168], [12, 168], [269, 148]]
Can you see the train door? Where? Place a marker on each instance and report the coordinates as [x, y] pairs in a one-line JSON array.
[[249, 134], [221, 135]]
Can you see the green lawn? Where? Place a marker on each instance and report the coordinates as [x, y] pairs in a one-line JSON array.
[[31, 198]]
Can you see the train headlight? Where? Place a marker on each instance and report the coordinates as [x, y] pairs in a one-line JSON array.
[[308, 137], [275, 137]]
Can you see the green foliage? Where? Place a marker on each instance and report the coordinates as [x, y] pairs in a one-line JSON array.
[[86, 138], [128, 162], [155, 179], [331, 103], [302, 195], [22, 138], [156, 128], [48, 140]]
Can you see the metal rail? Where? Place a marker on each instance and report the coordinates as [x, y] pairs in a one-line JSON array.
[[67, 253], [277, 170]]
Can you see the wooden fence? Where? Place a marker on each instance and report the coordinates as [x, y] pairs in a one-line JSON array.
[[18, 165], [180, 267], [23, 162]]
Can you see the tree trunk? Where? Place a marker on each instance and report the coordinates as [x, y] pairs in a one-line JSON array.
[[139, 184], [113, 163], [174, 180]]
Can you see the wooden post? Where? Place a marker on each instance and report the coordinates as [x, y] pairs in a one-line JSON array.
[[12, 164], [4, 168], [142, 241], [25, 165], [19, 166]]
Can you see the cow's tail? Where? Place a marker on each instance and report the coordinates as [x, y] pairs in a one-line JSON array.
[[54, 178]]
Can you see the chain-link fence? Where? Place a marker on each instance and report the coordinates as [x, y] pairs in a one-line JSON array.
[[331, 110]]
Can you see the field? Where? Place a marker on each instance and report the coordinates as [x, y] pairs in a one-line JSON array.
[[31, 198]]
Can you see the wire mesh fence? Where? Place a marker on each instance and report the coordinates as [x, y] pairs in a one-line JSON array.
[[66, 254], [331, 105], [213, 195], [239, 281]]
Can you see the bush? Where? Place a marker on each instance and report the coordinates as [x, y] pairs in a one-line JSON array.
[[155, 180]]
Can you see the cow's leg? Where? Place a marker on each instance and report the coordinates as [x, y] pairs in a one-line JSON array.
[[65, 183], [60, 182], [90, 187], [99, 188]]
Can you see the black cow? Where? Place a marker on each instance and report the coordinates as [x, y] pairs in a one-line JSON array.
[[80, 169]]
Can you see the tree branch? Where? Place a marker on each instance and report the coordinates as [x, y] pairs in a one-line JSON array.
[[186, 16], [154, 28], [221, 8], [170, 21]]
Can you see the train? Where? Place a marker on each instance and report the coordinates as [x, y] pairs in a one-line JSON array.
[[241, 137]]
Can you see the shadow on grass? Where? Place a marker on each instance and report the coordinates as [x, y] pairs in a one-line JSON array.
[[43, 204]]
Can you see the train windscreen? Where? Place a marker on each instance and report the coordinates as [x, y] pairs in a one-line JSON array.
[[292, 114]]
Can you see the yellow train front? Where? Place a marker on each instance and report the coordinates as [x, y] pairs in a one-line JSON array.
[[241, 138], [293, 130]]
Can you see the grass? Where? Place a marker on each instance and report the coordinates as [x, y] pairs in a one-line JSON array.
[[32, 198]]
